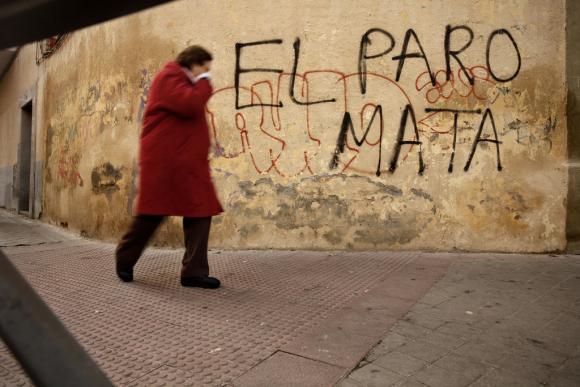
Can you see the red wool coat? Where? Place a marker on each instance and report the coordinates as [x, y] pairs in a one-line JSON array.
[[174, 175]]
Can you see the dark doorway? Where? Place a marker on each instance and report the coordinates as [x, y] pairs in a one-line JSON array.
[[573, 113], [24, 159]]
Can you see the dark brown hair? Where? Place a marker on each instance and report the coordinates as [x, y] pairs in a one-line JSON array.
[[193, 55]]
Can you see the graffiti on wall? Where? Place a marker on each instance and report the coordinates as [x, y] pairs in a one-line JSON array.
[[312, 121], [284, 116], [74, 127]]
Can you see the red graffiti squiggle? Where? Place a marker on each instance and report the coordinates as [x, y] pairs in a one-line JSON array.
[[243, 129], [458, 84], [68, 168], [271, 122], [273, 115]]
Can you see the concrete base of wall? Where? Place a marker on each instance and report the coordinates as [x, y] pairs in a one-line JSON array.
[[6, 187], [8, 194]]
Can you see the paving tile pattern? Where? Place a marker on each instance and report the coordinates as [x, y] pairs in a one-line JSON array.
[[493, 320], [155, 332]]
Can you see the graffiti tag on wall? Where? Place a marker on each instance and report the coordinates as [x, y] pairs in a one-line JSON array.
[[367, 107]]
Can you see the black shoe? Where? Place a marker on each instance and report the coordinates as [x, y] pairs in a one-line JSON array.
[[206, 282], [126, 275]]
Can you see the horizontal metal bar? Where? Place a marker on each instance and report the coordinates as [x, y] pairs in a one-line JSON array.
[[24, 21]]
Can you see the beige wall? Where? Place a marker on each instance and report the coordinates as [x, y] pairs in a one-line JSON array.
[[271, 165], [16, 87]]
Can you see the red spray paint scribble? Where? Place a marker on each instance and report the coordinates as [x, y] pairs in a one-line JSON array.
[[457, 85], [67, 168], [271, 123]]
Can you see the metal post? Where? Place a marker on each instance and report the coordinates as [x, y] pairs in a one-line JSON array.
[[46, 350]]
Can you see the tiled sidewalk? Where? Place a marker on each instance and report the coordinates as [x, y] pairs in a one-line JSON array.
[[315, 313], [494, 320], [295, 318]]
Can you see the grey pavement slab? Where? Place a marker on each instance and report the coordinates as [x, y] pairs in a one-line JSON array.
[[371, 375], [391, 342], [493, 320], [332, 345], [291, 371], [434, 376], [349, 333], [18, 231], [465, 365], [400, 363]]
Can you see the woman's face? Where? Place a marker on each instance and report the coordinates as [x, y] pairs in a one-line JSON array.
[[197, 69]]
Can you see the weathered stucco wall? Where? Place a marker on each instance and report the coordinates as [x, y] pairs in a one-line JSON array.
[[286, 175], [16, 87]]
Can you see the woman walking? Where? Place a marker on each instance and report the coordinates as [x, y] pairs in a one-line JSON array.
[[174, 175]]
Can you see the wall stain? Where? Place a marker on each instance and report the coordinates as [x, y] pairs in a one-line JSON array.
[[306, 207], [89, 102], [104, 179], [248, 231], [421, 193], [425, 195], [393, 230]]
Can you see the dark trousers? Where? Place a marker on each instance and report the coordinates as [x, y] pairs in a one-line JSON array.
[[196, 235]]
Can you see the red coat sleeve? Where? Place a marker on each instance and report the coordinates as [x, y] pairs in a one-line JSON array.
[[178, 95]]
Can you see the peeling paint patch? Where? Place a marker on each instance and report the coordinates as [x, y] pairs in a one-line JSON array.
[[335, 237], [249, 230], [104, 179], [550, 125], [89, 102], [377, 217], [392, 231], [421, 193]]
